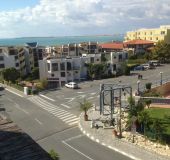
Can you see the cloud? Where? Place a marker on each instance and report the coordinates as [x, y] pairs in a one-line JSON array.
[[78, 17]]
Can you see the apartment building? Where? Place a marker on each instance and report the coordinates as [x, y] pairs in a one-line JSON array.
[[115, 60], [152, 34], [13, 57], [59, 71], [38, 52]]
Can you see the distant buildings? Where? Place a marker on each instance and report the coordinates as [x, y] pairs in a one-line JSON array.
[[153, 34]]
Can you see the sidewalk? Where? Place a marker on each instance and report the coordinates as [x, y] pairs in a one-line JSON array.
[[13, 90], [106, 138]]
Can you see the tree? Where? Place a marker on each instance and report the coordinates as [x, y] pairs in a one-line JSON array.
[[84, 106], [43, 84], [10, 74], [35, 73], [161, 51], [103, 58], [144, 119], [125, 69]]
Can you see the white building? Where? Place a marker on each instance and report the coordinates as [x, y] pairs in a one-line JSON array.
[[13, 57], [115, 59], [59, 71]]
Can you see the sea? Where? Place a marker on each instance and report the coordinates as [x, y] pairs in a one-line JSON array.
[[52, 41]]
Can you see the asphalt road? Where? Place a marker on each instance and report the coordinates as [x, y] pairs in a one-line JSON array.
[[52, 133], [51, 118]]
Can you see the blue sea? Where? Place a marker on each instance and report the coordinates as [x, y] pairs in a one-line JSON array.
[[51, 41]]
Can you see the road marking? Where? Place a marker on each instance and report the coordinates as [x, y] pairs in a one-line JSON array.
[[65, 106], [68, 117], [75, 137], [47, 97], [75, 119], [63, 114], [39, 121], [77, 150], [73, 123], [80, 92], [23, 110], [93, 93], [14, 93], [70, 99]]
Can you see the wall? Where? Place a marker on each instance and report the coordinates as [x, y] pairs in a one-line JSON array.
[[164, 89]]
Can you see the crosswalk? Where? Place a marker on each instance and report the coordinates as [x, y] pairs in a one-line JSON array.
[[63, 115]]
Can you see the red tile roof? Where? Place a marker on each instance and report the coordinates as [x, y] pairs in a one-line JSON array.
[[114, 45], [138, 41]]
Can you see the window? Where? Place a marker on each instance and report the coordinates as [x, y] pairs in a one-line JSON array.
[[97, 60], [150, 33], [69, 66], [1, 58], [92, 59], [16, 57], [62, 66], [17, 64], [150, 38], [162, 32], [63, 74], [120, 57], [52, 75], [48, 66], [54, 66], [156, 38], [2, 66]]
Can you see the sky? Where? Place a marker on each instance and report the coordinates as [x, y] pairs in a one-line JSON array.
[[39, 18]]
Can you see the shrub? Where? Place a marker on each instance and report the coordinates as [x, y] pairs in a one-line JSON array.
[[148, 86]]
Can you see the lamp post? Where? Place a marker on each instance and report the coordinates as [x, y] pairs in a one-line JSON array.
[[161, 78], [138, 83]]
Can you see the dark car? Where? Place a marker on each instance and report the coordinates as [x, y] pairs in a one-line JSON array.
[[139, 68]]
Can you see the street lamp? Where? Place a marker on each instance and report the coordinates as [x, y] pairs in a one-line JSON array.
[[161, 78], [138, 83]]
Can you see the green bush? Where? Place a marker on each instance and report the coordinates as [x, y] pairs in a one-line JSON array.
[[148, 86]]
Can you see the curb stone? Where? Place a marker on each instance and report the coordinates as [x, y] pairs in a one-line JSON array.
[[103, 144]]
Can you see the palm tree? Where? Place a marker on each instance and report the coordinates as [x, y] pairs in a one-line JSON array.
[[144, 119], [84, 106]]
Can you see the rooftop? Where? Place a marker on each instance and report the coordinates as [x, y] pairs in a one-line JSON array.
[[113, 45]]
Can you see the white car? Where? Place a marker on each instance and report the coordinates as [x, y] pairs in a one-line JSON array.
[[71, 85]]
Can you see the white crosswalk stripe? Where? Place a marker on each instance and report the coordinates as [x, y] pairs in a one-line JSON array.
[[62, 114]]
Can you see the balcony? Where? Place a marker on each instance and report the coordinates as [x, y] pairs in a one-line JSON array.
[[76, 67]]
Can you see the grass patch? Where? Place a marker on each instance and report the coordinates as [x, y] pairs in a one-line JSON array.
[[163, 114]]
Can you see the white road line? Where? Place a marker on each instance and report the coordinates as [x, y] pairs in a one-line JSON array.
[[93, 93], [60, 112], [80, 92], [47, 97], [75, 137], [77, 150], [75, 119], [65, 106], [73, 123], [39, 121], [14, 92], [68, 117], [63, 114], [23, 110]]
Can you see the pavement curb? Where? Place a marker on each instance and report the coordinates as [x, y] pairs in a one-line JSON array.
[[102, 143]]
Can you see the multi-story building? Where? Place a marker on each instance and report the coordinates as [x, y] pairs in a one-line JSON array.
[[37, 52], [59, 71], [153, 34], [13, 57], [115, 60]]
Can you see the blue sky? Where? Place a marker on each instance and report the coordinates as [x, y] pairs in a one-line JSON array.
[[27, 18], [7, 5]]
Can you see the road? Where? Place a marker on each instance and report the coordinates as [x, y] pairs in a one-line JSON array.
[[51, 118]]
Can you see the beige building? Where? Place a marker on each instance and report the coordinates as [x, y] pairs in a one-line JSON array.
[[153, 34]]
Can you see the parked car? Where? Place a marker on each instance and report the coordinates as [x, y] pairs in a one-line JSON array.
[[154, 63], [139, 68], [73, 85]]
